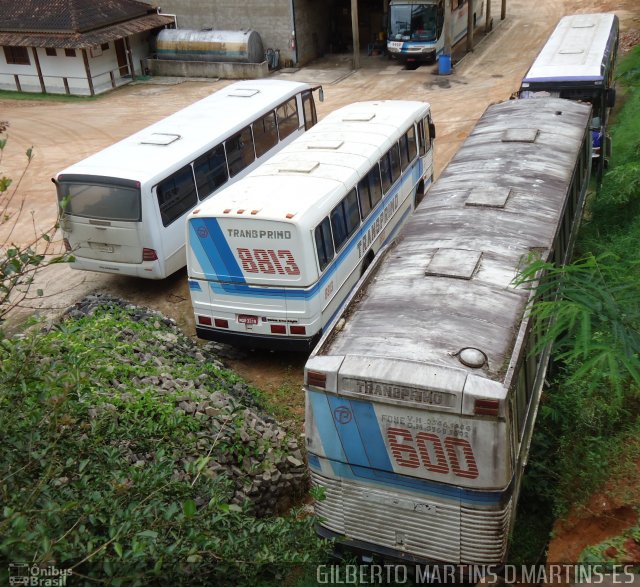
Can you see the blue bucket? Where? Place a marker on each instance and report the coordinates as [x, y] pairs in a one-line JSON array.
[[444, 64]]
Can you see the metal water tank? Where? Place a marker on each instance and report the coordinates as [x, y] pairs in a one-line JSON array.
[[192, 45]]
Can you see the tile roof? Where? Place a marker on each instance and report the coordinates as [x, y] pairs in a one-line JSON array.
[[86, 40], [67, 16]]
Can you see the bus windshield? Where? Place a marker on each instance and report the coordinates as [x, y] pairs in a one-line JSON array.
[[100, 201], [413, 22]]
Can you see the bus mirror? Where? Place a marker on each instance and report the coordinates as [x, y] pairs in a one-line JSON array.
[[432, 130], [611, 97], [321, 94]]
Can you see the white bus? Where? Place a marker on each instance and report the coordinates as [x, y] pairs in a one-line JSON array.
[[577, 63], [272, 258], [422, 395], [123, 209], [416, 27]]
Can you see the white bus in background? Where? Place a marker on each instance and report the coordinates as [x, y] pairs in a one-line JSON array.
[[271, 259], [577, 63], [416, 27], [123, 209]]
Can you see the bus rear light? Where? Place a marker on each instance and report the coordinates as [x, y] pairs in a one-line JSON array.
[[278, 329], [204, 320], [149, 255], [317, 379], [298, 330], [486, 407], [67, 244], [220, 323]]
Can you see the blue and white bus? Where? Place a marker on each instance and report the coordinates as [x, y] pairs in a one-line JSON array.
[[577, 63], [271, 259], [416, 27], [422, 395]]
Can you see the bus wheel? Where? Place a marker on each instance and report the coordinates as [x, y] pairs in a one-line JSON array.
[[367, 261], [419, 193]]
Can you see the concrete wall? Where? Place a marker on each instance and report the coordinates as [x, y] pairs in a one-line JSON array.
[[271, 19], [312, 29], [212, 69]]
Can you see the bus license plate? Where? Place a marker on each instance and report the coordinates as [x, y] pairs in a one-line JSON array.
[[245, 319]]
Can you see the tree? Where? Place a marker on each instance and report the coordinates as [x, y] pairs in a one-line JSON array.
[[19, 262]]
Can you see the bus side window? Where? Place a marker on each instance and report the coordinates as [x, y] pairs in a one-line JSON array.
[[309, 108], [411, 143], [176, 195], [370, 191], [345, 219], [324, 243], [287, 118], [211, 171], [422, 138], [395, 162], [385, 172], [265, 133], [240, 152], [521, 399]]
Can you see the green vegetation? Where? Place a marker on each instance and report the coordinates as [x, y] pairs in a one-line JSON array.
[[589, 419], [101, 473], [44, 97]]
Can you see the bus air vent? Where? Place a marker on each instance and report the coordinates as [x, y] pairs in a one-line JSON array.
[[162, 139], [243, 93], [455, 263], [488, 197], [359, 117], [520, 135], [471, 357], [326, 145], [298, 167]]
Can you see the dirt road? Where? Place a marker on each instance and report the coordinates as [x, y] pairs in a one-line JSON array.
[[63, 133]]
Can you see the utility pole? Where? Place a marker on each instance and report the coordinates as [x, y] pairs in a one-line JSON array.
[[444, 62], [356, 34], [470, 24], [503, 13], [489, 22]]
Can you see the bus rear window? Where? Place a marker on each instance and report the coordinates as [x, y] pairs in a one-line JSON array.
[[100, 201]]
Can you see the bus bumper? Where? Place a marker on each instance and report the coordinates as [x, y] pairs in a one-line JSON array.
[[258, 341], [146, 269]]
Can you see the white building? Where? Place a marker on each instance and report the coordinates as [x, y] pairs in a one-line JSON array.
[[80, 47]]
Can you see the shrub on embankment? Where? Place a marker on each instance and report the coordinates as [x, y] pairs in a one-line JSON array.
[[130, 454]]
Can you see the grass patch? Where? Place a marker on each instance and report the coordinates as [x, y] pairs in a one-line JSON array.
[[40, 97]]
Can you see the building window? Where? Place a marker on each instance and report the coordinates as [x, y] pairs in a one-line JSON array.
[[104, 46], [70, 52], [50, 51], [17, 55]]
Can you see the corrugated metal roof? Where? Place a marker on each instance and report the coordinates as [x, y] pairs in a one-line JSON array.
[[84, 40], [67, 16]]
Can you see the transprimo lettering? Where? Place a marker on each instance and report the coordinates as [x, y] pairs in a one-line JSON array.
[[378, 224], [268, 261], [261, 234], [427, 449]]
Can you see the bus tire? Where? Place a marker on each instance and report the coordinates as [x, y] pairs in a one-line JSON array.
[[419, 193], [367, 261]]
